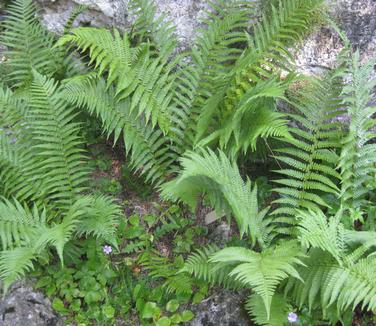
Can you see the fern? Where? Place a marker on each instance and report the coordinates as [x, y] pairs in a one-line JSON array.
[[262, 272], [150, 152], [334, 271], [215, 48], [265, 55], [29, 45], [148, 27], [278, 312], [358, 151], [138, 73], [310, 159], [215, 176], [198, 265]]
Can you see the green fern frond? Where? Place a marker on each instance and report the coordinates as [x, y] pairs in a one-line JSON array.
[[150, 151], [219, 179], [56, 142], [317, 232], [265, 55], [100, 218], [29, 44], [73, 16], [310, 159], [358, 153], [262, 272], [198, 265], [214, 51], [278, 312], [14, 264], [138, 73], [147, 27]]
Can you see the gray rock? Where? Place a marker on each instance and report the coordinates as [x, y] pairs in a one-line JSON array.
[[221, 234], [356, 17], [223, 308], [23, 306]]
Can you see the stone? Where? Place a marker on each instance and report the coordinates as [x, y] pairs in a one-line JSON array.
[[23, 306], [356, 17], [223, 308]]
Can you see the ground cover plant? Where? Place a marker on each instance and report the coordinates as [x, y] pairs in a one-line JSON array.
[[112, 143]]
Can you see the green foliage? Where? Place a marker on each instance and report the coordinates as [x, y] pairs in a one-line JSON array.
[[216, 176], [43, 166], [310, 159], [358, 149], [185, 121]]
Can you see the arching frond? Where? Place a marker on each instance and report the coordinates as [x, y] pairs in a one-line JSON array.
[[219, 179], [150, 151]]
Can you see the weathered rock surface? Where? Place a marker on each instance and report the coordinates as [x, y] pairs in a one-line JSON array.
[[223, 308], [356, 17], [25, 307]]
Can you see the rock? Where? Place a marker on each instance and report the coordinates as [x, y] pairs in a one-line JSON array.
[[23, 306], [107, 13], [356, 17], [223, 308], [220, 235]]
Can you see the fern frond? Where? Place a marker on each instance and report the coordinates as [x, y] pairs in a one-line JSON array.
[[358, 153], [212, 56], [219, 179], [150, 151], [317, 232], [262, 272], [198, 265], [14, 264], [56, 141], [100, 216], [73, 16], [138, 73], [310, 159], [147, 27], [278, 312], [266, 54], [29, 44]]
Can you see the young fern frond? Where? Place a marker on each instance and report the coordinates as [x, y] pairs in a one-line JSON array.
[[262, 272], [309, 161], [219, 179], [358, 155]]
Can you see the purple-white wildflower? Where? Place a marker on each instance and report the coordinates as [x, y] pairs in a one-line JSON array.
[[292, 317], [107, 249]]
